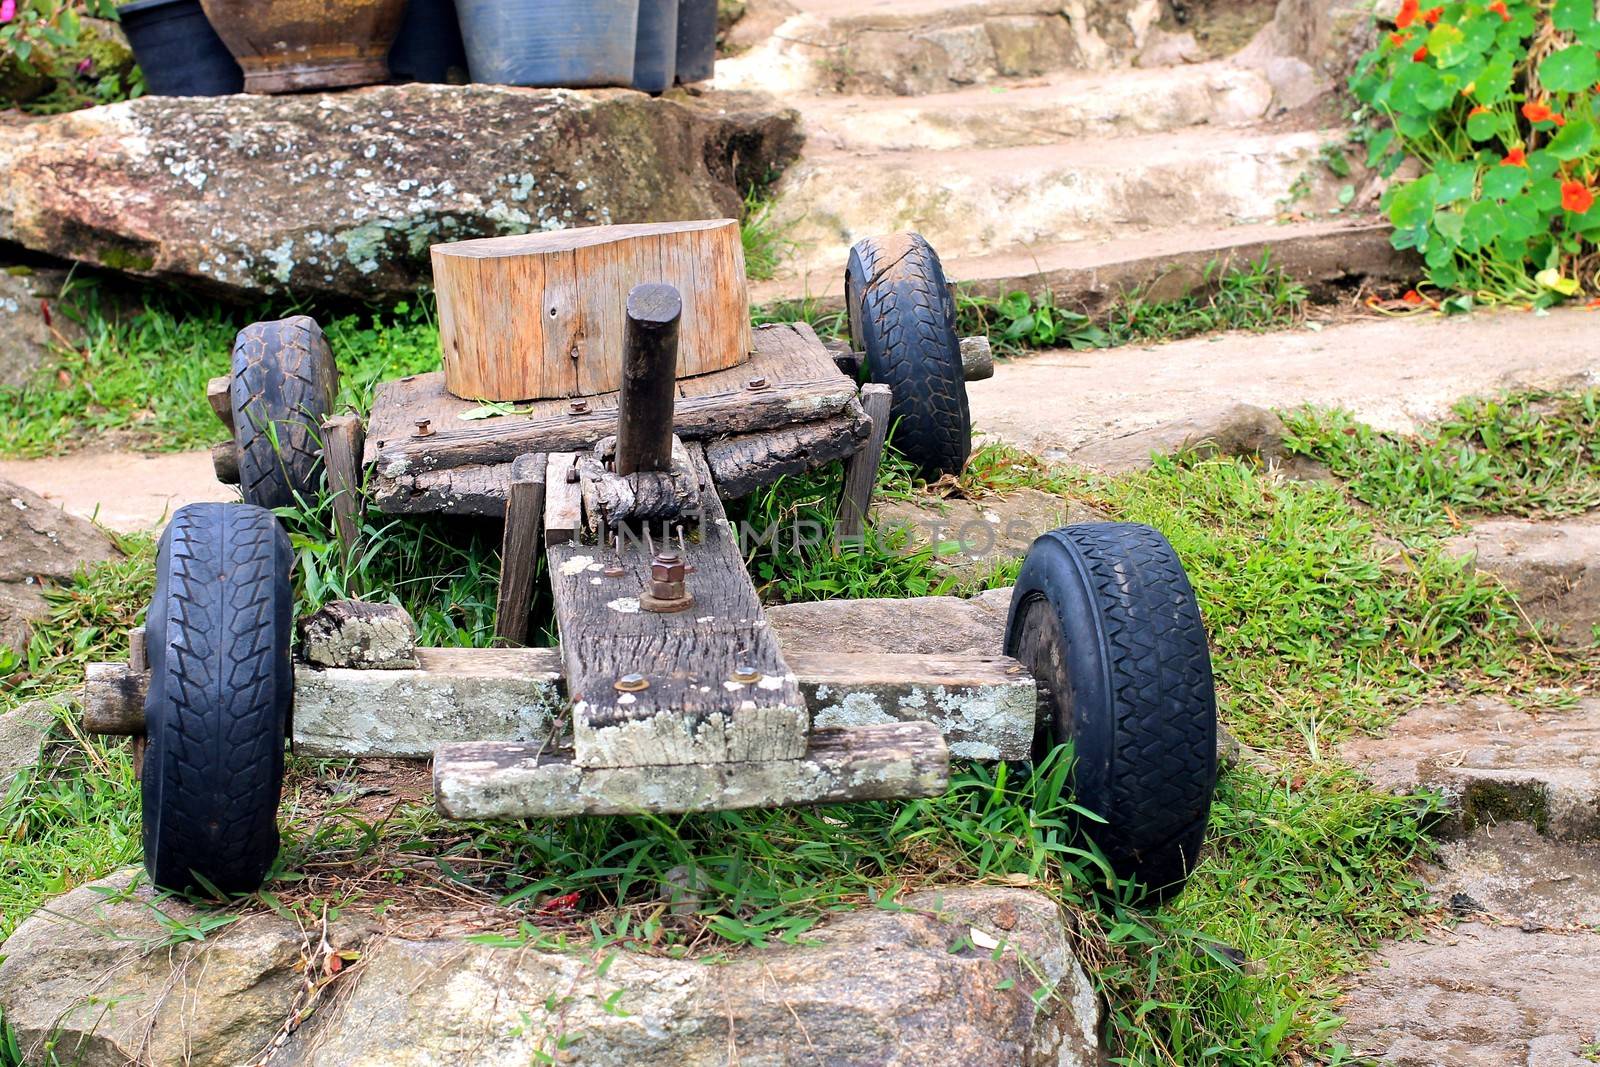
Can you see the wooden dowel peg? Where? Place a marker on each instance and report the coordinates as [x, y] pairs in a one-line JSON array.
[[649, 379]]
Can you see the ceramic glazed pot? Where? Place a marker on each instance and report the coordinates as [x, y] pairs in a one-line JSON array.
[[291, 45]]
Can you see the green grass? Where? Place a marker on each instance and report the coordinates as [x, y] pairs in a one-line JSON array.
[[766, 243], [1527, 453], [1321, 627]]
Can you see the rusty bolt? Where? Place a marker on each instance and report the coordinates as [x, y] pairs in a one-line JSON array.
[[424, 428], [577, 407], [666, 590], [746, 674], [755, 385], [614, 570], [631, 683], [572, 475]]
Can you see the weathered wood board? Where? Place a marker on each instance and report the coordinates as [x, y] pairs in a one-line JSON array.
[[801, 385], [693, 709], [515, 781], [983, 705], [541, 314]]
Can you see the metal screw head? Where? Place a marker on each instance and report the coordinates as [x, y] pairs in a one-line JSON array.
[[756, 384], [577, 407], [424, 428], [746, 674], [631, 683]]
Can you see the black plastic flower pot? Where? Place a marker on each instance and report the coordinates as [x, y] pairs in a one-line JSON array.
[[697, 40], [572, 43], [429, 48], [179, 52], [655, 56]]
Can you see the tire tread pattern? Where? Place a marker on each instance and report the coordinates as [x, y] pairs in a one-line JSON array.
[[219, 700], [284, 377], [903, 317]]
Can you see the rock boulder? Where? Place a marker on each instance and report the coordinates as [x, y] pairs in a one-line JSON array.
[[39, 544], [342, 194], [30, 322], [948, 977]]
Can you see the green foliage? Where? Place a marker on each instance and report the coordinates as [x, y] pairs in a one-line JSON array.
[[1494, 101], [766, 244], [1530, 453], [140, 377], [51, 61]]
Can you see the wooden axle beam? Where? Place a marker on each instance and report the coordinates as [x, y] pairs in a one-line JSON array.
[[983, 705]]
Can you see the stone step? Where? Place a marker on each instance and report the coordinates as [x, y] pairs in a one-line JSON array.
[[983, 201], [1553, 567], [1328, 256], [911, 47], [1059, 107], [1495, 762]]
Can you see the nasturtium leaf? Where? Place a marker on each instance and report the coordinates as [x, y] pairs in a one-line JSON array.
[[1522, 220], [1545, 194], [1419, 90], [1379, 145], [1456, 182], [1574, 16], [1483, 125], [1574, 69], [1494, 81], [1573, 141], [1448, 44], [1412, 203], [1450, 225], [1484, 222], [1541, 164], [1439, 255], [1412, 127], [1503, 183]]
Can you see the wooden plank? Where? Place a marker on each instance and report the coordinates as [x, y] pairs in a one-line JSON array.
[[341, 458], [519, 548], [515, 781], [718, 686], [742, 463], [861, 475], [983, 705], [219, 394], [472, 490], [541, 314], [803, 385], [563, 499]]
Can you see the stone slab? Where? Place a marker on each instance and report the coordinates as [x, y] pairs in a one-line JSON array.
[[1552, 565]]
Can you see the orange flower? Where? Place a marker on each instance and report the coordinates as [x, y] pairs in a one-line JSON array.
[[1432, 15], [1576, 197], [1515, 158], [1534, 112], [1420, 54], [1479, 110], [1398, 39], [1408, 13], [1559, 120], [1412, 297], [1499, 8]]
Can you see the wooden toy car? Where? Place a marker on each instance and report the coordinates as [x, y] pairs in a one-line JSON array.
[[651, 399]]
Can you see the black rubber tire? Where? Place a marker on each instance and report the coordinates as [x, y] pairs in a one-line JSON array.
[[1105, 618], [221, 689], [903, 317], [284, 378]]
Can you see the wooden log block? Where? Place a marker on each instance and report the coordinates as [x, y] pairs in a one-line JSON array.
[[360, 634], [645, 401], [977, 358], [541, 315], [983, 705], [219, 394], [477, 489], [610, 498], [515, 781], [742, 463], [802, 385], [861, 475], [704, 685], [519, 548], [225, 462], [342, 440], [563, 499]]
